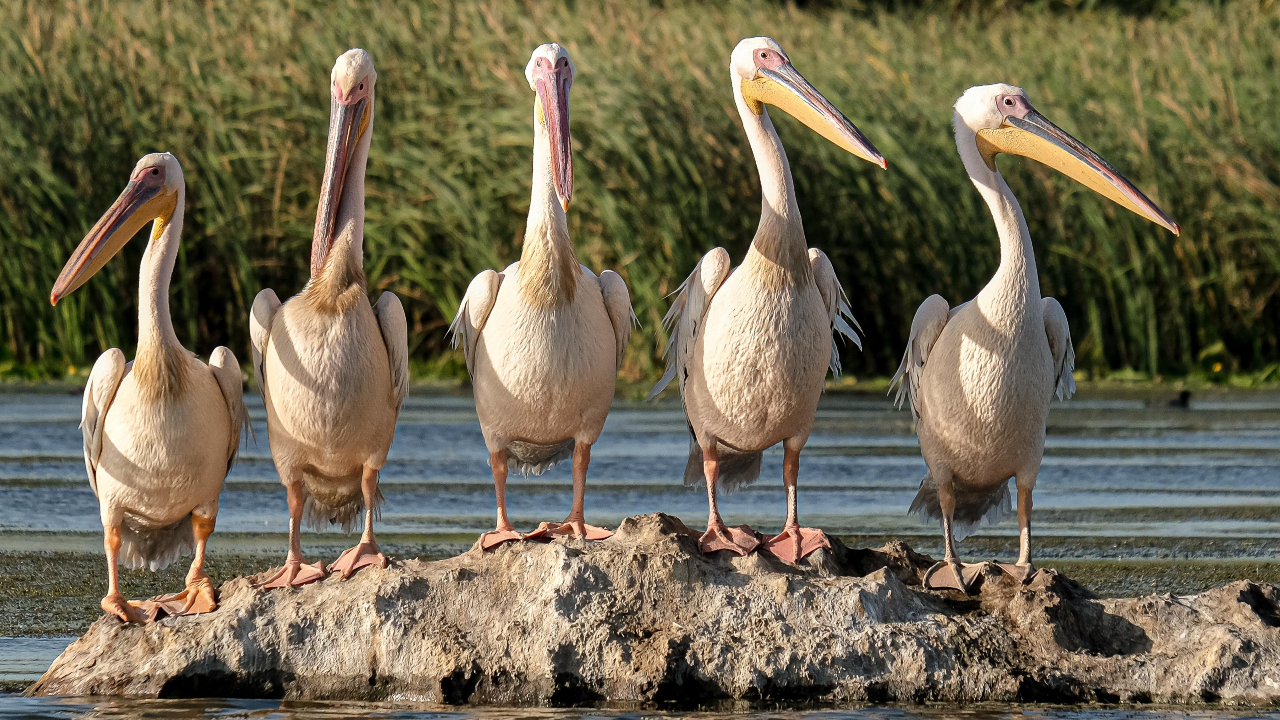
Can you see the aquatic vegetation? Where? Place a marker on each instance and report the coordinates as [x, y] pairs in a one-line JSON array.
[[1184, 101]]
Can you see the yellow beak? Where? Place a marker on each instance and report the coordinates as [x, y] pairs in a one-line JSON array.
[[139, 204], [785, 89], [1033, 136]]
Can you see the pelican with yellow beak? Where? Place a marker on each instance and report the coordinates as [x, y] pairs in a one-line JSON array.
[[544, 338], [979, 377], [751, 347], [333, 369], [161, 432]]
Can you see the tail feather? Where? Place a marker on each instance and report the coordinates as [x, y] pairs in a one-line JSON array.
[[737, 468], [343, 510], [155, 548], [972, 506], [533, 459]]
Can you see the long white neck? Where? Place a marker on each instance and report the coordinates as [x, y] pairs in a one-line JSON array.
[[779, 239], [341, 280], [155, 325], [1015, 289], [548, 265]]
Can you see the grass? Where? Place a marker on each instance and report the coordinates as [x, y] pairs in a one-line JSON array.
[[1182, 97]]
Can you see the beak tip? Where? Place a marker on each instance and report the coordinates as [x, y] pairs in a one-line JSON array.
[[53, 298], [884, 164], [1177, 230]]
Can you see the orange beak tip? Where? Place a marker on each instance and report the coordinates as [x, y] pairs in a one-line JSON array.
[[53, 298], [884, 164], [1177, 230]]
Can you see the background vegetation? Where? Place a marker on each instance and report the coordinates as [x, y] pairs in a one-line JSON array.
[[1182, 97]]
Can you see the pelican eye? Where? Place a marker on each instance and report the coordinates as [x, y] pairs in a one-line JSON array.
[[155, 171]]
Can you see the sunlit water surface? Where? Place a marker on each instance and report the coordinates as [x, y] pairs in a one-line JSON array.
[[1180, 482]]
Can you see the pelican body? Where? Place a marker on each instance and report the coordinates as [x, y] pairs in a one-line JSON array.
[[332, 368], [161, 432], [751, 347], [544, 338], [979, 377]]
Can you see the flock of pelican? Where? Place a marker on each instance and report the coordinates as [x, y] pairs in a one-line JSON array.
[[543, 339]]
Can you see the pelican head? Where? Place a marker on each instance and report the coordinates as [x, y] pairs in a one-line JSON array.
[[766, 77], [1000, 119], [152, 194], [350, 115], [550, 73]]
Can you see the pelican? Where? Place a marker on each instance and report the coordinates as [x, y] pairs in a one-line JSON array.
[[979, 376], [333, 369], [161, 432], [544, 338], [751, 347]]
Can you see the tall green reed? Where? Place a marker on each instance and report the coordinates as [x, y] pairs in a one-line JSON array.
[[1184, 102]]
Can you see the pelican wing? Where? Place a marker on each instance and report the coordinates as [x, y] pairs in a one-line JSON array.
[[104, 380], [474, 311], [265, 307], [839, 313], [395, 335], [1064, 354], [617, 302], [683, 321], [930, 319], [226, 371]]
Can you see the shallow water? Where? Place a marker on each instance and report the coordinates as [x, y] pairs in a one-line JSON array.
[[1212, 471], [1123, 478]]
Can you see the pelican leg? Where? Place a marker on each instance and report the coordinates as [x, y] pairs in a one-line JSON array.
[[950, 574], [295, 570], [794, 542], [113, 603], [740, 540], [198, 597], [1023, 569], [575, 525], [367, 552], [504, 531]]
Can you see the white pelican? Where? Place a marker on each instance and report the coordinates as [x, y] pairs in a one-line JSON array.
[[751, 348], [980, 376], [161, 432], [544, 338], [333, 369]]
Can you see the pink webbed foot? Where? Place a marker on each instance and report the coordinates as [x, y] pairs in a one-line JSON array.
[[363, 555], [794, 544], [1020, 573], [952, 575], [740, 540], [293, 573], [494, 538], [569, 528], [197, 598], [119, 607]]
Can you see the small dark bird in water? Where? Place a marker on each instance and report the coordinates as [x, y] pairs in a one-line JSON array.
[[1182, 401]]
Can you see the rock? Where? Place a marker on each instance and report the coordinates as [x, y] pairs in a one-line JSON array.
[[644, 616]]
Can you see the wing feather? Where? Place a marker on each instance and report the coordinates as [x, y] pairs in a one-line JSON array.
[[395, 335], [474, 311], [226, 371], [617, 302], [104, 381], [683, 321], [930, 319], [1064, 353], [265, 307], [839, 313]]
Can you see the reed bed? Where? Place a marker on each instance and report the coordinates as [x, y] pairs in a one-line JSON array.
[[1185, 101]]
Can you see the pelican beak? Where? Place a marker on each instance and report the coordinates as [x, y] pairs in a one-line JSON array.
[[784, 88], [552, 86], [348, 122], [1027, 133], [141, 202]]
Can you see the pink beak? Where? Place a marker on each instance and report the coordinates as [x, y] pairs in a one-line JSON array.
[[552, 84]]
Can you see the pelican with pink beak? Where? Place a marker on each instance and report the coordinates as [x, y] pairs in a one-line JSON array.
[[979, 376], [333, 369], [161, 432], [751, 346], [544, 338]]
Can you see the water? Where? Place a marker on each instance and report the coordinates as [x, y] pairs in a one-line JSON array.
[[1123, 478]]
